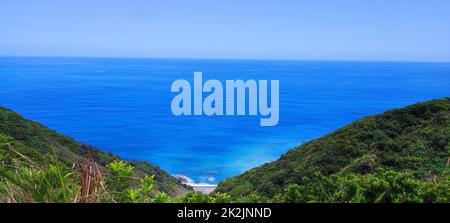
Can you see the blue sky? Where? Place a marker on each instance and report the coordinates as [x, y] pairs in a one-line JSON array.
[[251, 29]]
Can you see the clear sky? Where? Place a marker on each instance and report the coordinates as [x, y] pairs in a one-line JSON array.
[[258, 29]]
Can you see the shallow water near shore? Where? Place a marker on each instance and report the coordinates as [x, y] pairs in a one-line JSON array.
[[123, 105]]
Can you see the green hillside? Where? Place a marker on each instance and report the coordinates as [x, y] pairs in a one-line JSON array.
[[27, 142], [413, 140]]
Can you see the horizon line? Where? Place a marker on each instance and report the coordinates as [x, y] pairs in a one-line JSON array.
[[240, 59]]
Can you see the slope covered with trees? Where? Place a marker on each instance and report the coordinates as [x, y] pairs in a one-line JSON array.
[[30, 144], [413, 140]]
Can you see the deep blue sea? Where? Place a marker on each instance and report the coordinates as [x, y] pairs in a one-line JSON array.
[[123, 105]]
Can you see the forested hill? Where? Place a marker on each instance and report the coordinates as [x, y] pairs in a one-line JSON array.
[[413, 139], [21, 139]]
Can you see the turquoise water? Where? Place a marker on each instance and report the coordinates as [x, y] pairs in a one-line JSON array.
[[123, 105]]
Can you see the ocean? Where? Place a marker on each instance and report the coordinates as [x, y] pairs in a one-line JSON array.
[[123, 105]]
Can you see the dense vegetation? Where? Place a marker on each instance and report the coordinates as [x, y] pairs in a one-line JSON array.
[[399, 156], [37, 146], [414, 139], [22, 180]]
